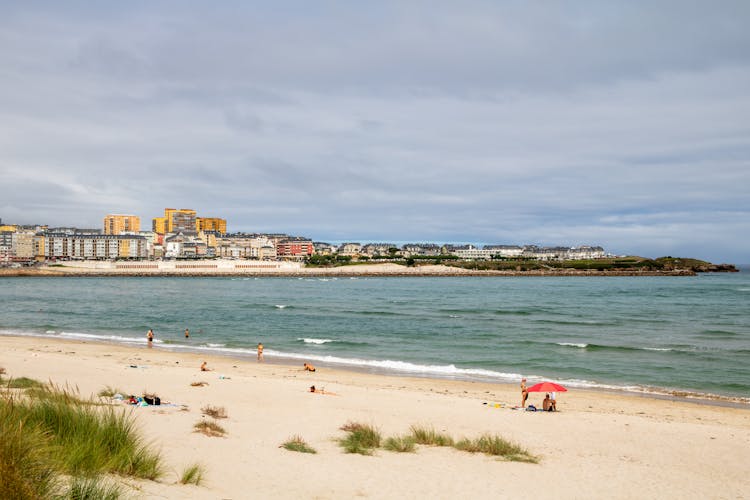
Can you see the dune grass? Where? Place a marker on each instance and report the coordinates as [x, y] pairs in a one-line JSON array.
[[296, 443], [214, 411], [92, 489], [210, 428], [109, 391], [401, 444], [430, 437], [55, 444], [22, 383], [496, 446], [360, 438], [193, 474]]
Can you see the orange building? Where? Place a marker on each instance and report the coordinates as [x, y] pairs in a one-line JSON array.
[[117, 224], [212, 224], [175, 220]]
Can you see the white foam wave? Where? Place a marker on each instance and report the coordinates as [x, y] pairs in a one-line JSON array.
[[657, 349], [50, 331], [572, 344], [215, 345], [316, 341], [115, 338], [454, 316], [280, 306]]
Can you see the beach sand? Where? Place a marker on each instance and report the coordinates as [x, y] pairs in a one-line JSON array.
[[599, 445]]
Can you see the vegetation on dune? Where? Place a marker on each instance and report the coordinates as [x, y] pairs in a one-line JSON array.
[[210, 428], [193, 474], [22, 383], [497, 446], [214, 411], [360, 438], [401, 444], [55, 444], [430, 437], [364, 439], [296, 443]]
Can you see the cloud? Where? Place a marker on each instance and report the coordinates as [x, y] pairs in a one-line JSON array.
[[621, 125]]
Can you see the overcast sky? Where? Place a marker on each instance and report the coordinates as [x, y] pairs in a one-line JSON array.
[[623, 124]]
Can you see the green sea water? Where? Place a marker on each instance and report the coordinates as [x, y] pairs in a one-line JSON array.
[[652, 334]]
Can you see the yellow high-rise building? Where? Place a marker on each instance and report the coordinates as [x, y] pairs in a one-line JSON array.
[[175, 220], [212, 224], [117, 224]]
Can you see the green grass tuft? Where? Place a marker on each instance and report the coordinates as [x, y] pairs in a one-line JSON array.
[[193, 475], [296, 443], [109, 391], [51, 438], [23, 383], [430, 437], [92, 489], [360, 438], [402, 444], [210, 428], [496, 446]]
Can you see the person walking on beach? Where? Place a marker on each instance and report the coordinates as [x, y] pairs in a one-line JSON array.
[[150, 337], [187, 333], [524, 393], [260, 352]]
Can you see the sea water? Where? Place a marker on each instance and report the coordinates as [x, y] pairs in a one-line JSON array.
[[650, 334]]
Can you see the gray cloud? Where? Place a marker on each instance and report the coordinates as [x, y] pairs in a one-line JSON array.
[[622, 125]]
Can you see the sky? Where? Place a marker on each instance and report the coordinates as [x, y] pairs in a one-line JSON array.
[[621, 124]]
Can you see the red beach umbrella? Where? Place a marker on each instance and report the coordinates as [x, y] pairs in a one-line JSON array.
[[547, 387]]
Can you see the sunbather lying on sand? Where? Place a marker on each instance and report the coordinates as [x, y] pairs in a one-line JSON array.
[[309, 367]]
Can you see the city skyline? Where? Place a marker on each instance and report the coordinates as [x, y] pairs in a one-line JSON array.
[[601, 124]]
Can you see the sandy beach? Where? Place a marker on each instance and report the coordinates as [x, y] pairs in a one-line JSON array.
[[598, 445]]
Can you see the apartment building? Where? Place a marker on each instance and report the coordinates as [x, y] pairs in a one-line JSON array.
[[91, 246], [377, 249], [119, 223], [246, 246], [295, 249], [212, 224], [174, 220]]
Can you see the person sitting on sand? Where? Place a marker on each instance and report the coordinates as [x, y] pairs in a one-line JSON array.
[[204, 367], [547, 403], [309, 367], [524, 393]]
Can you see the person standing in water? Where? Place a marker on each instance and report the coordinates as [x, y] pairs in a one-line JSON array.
[[187, 333], [260, 352], [150, 337]]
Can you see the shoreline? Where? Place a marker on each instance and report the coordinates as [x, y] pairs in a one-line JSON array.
[[677, 395], [598, 445]]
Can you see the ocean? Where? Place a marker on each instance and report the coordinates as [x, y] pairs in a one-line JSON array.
[[660, 335]]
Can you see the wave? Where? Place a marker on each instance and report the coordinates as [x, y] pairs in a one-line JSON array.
[[281, 306], [571, 344], [600, 347], [316, 341], [115, 338]]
